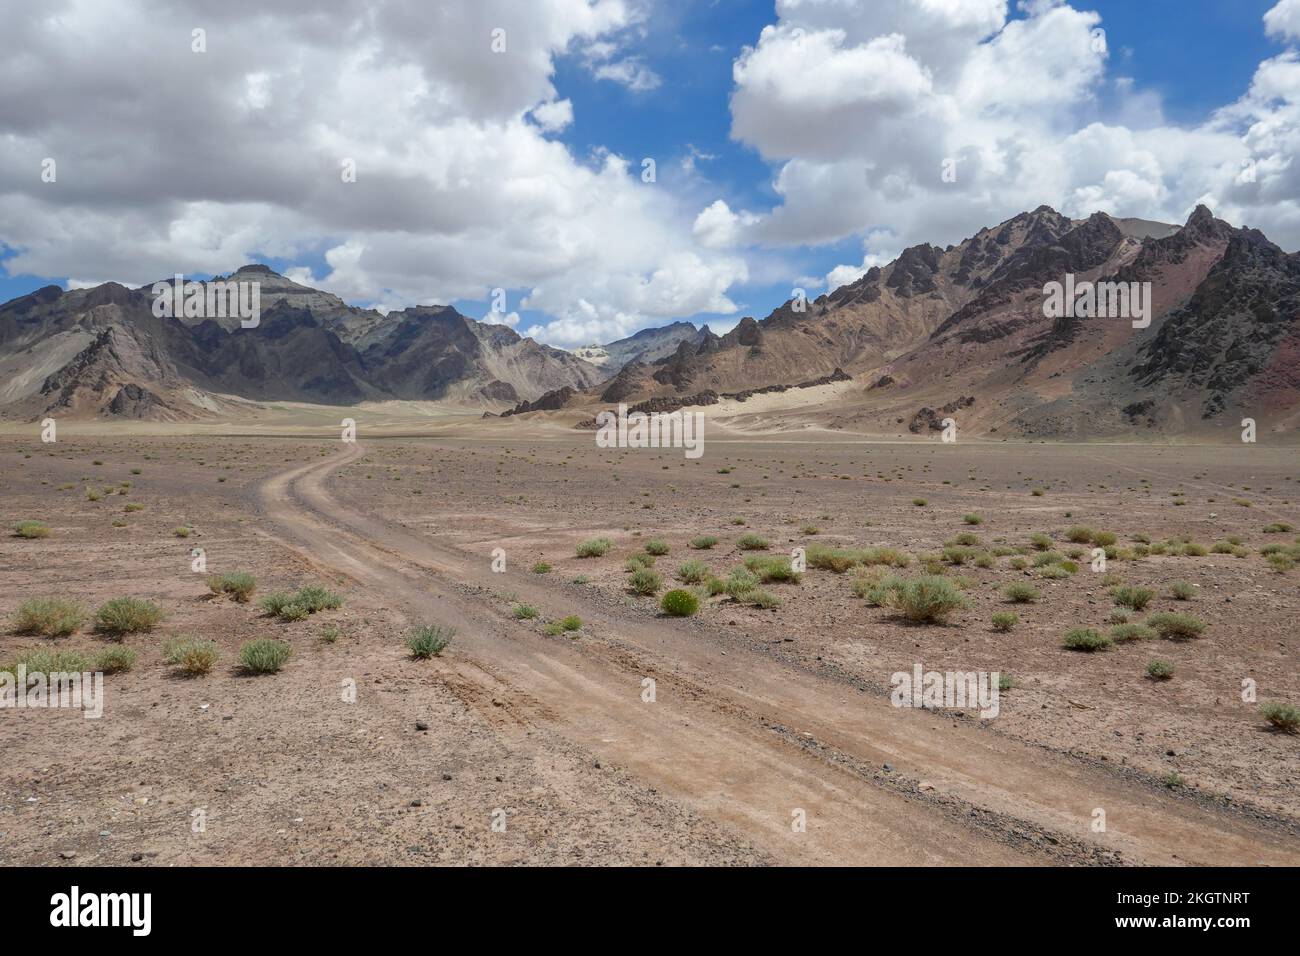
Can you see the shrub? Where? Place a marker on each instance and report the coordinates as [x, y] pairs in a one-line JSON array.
[[1132, 597], [553, 629], [541, 567], [1087, 640], [31, 529], [48, 661], [972, 519], [884, 556], [181, 532], [1018, 563], [240, 585], [1173, 780], [1278, 527], [191, 657], [774, 568], [1079, 534], [838, 560], [1005, 620], [752, 542], [920, 502], [294, 612], [763, 600], [740, 584], [957, 555], [679, 603], [593, 548], [636, 562], [329, 633], [656, 547], [644, 581], [1119, 615], [1040, 541], [705, 543], [927, 599], [524, 612], [296, 605], [127, 615], [1104, 539], [1281, 563], [881, 593], [428, 640], [1282, 716], [1005, 682], [967, 539], [570, 623], [1182, 590], [1194, 550], [1123, 633], [48, 617], [1054, 572], [112, 660], [693, 572], [1160, 670], [264, 655], [315, 598], [1176, 626], [1021, 592], [133, 507]]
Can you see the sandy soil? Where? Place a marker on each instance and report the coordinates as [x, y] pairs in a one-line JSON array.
[[758, 714]]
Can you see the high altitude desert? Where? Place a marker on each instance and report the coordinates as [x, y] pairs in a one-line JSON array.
[[636, 736]]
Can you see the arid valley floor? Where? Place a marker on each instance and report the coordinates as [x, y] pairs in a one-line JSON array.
[[758, 712]]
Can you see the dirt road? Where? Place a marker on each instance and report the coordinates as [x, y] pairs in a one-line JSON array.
[[745, 739]]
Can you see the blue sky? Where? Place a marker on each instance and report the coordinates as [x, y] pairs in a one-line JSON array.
[[1197, 55]]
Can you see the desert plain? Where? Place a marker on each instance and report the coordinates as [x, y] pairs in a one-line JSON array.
[[758, 730]]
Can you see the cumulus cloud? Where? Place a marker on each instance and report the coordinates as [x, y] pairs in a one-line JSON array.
[[1284, 20], [170, 160], [932, 118]]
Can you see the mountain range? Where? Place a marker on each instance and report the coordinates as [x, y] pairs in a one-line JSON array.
[[936, 330]]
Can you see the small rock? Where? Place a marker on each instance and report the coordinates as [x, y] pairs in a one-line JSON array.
[[68, 854], [421, 725], [889, 768]]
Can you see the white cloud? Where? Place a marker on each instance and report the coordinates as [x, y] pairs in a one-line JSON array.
[[717, 227], [1284, 20], [629, 72], [175, 161], [554, 115], [862, 104]]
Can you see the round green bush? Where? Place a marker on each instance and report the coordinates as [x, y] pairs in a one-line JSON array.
[[679, 603]]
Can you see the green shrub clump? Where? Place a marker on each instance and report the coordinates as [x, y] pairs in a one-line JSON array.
[[264, 655], [428, 640], [679, 603], [48, 617], [240, 585], [1087, 640], [192, 657], [126, 615]]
